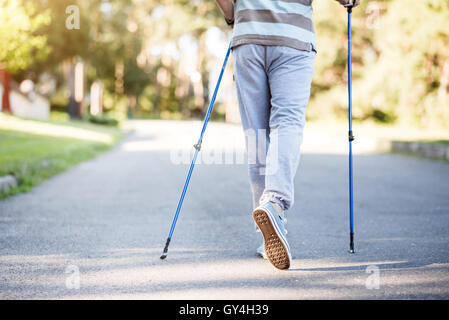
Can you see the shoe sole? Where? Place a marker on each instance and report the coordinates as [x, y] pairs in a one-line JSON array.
[[275, 249]]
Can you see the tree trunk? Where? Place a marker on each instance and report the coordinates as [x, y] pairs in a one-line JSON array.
[[5, 78], [132, 102], [444, 81], [200, 87], [74, 106]]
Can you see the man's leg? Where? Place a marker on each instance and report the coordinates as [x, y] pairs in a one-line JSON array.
[[254, 104], [290, 73]]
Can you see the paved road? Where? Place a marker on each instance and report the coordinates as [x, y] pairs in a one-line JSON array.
[[106, 220]]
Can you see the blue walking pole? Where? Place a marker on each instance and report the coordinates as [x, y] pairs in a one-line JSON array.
[[197, 147], [350, 136]]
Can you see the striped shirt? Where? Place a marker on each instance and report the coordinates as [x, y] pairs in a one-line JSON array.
[[274, 23]]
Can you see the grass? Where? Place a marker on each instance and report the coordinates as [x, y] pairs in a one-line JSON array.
[[438, 142], [33, 151]]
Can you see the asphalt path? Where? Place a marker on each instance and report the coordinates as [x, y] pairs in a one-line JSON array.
[[97, 231]]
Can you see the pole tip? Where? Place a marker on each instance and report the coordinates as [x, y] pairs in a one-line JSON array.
[[165, 252], [351, 247], [351, 243]]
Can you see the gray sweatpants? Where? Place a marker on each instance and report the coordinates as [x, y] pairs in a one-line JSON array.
[[273, 89]]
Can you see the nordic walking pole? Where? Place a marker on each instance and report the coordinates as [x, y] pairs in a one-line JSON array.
[[350, 135], [197, 147]]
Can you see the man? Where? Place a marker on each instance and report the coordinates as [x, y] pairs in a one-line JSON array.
[[274, 50]]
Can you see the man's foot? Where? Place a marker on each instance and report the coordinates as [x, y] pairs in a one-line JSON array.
[[261, 249], [272, 227]]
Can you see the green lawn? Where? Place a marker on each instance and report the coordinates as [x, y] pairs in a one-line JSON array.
[[33, 151], [440, 142]]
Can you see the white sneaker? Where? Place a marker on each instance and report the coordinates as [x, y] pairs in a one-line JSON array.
[[273, 230], [261, 251]]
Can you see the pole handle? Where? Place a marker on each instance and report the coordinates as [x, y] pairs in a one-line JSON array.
[[349, 6]]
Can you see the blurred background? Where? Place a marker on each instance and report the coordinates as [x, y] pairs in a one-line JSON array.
[[159, 59], [90, 65]]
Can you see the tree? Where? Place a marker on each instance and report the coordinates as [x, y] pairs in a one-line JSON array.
[[68, 40], [409, 79], [20, 46]]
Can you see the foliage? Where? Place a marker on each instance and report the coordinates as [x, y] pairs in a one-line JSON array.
[[400, 55], [103, 120], [20, 46], [411, 75], [401, 64]]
